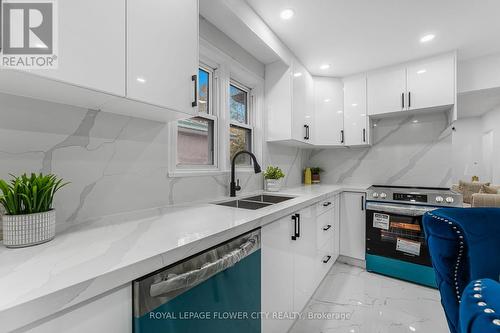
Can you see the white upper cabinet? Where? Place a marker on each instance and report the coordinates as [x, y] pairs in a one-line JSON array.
[[431, 83], [328, 111], [91, 50], [289, 104], [386, 91], [425, 84], [356, 121], [162, 53]]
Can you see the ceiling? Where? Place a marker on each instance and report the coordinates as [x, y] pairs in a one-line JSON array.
[[357, 35]]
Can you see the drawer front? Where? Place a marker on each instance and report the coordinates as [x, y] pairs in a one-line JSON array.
[[325, 258], [325, 205], [325, 226]]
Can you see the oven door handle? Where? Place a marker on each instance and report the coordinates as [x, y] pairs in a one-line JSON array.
[[405, 210]]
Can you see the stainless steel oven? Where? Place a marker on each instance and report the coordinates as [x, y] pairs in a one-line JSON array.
[[395, 239]]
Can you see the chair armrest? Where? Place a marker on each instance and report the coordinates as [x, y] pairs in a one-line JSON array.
[[463, 244], [480, 307], [485, 200]]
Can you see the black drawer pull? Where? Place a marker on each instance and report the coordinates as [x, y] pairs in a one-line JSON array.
[[327, 227], [326, 204], [327, 259], [295, 233]]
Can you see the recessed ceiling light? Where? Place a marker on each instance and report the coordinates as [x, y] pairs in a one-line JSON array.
[[326, 100], [422, 71], [287, 14], [427, 38], [354, 104], [340, 111], [324, 66], [141, 80], [415, 121], [297, 74]]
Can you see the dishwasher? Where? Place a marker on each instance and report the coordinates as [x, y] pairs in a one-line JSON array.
[[218, 290]]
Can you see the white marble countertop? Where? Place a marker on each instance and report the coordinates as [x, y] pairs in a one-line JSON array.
[[106, 253]]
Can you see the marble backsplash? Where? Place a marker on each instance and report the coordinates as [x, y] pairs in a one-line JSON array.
[[115, 163], [406, 150]]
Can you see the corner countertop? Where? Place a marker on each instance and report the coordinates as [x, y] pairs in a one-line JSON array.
[[97, 256]]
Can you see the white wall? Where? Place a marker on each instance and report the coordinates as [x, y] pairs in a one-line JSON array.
[[479, 73], [467, 154], [476, 147]]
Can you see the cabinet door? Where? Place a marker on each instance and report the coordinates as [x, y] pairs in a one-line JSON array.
[[355, 117], [91, 45], [277, 273], [162, 52], [305, 259], [111, 312], [386, 91], [352, 225], [336, 228], [299, 102], [431, 83], [328, 111], [309, 110]]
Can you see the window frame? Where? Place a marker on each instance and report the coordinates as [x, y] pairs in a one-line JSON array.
[[226, 70], [249, 117], [212, 114]]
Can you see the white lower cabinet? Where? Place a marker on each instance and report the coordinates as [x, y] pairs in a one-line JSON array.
[[111, 312], [304, 256], [277, 274], [297, 252], [352, 225]]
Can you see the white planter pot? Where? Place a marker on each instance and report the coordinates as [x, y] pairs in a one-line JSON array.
[[273, 185], [30, 229]]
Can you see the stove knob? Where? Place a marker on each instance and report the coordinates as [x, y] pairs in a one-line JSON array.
[[375, 194], [383, 195], [439, 199], [450, 200]]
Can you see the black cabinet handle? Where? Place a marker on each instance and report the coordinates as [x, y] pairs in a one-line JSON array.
[[364, 134], [326, 204], [327, 227], [327, 259], [194, 78], [298, 225], [341, 136], [307, 132], [362, 202], [294, 219], [402, 100], [409, 99]]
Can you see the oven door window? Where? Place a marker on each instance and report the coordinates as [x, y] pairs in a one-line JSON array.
[[396, 236]]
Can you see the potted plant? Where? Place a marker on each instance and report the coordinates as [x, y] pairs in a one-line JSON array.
[[315, 171], [273, 176], [29, 216]]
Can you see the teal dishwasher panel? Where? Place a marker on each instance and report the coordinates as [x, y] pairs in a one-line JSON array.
[[208, 307]]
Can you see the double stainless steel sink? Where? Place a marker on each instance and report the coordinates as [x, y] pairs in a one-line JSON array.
[[255, 202]]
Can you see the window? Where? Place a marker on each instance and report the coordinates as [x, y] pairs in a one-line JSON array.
[[196, 136], [240, 131]]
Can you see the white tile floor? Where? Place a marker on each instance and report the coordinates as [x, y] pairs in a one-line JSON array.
[[361, 302]]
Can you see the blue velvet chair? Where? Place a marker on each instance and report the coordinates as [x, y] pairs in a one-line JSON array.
[[480, 307], [464, 244]]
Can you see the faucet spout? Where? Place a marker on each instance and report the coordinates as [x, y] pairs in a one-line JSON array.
[[256, 166]]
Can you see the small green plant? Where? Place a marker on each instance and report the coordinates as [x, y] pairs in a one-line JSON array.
[[273, 173], [29, 195], [316, 170]]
